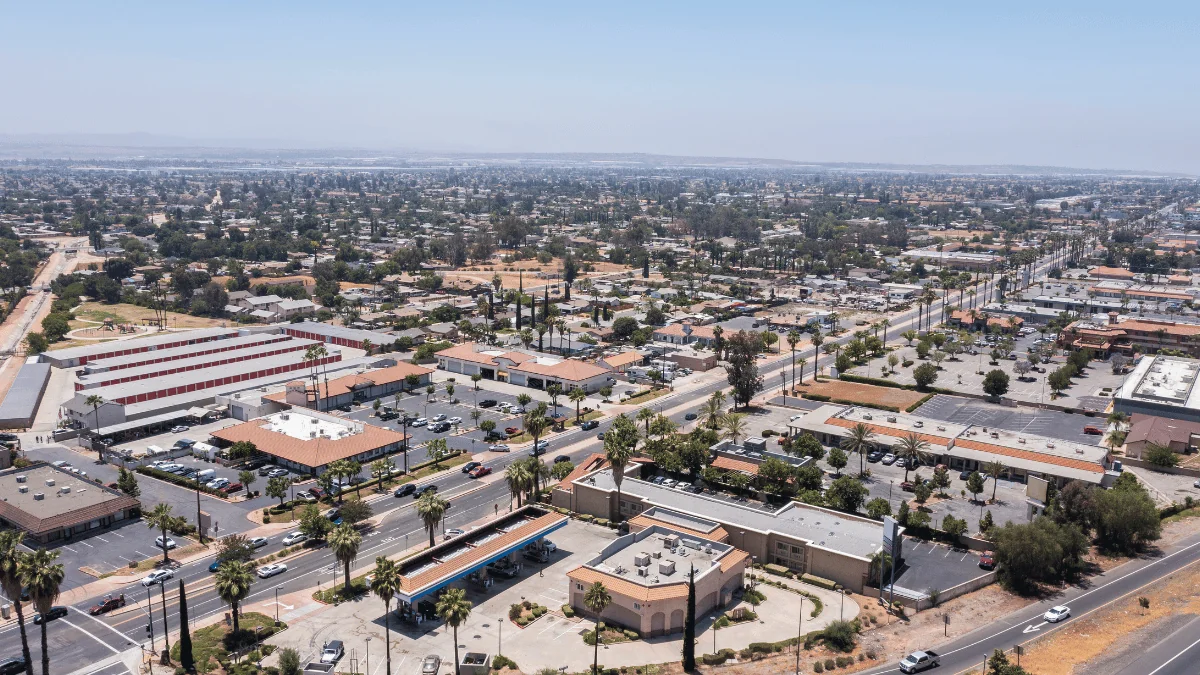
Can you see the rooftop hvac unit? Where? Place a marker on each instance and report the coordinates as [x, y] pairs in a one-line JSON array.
[[995, 434], [66, 489], [38, 496], [313, 420], [22, 478], [284, 416], [312, 434], [941, 427], [868, 416], [671, 541], [49, 482], [1050, 445], [22, 489], [656, 554], [666, 567], [643, 571], [641, 560], [691, 543], [892, 419]]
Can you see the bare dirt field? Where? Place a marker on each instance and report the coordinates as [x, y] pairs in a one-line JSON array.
[[865, 394], [510, 273], [125, 313]]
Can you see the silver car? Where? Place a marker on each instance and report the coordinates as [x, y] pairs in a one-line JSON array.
[[431, 664]]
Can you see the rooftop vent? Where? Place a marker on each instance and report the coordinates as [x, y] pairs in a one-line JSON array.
[[22, 489], [22, 478], [66, 489], [49, 482], [641, 560], [666, 567], [38, 496]]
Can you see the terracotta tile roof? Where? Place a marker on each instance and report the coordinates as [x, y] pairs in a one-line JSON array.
[[567, 369], [887, 431], [1031, 456], [1118, 272], [623, 359], [730, 464], [594, 462], [734, 557], [346, 383], [644, 521], [588, 576], [478, 554], [312, 452], [676, 330], [1170, 328]]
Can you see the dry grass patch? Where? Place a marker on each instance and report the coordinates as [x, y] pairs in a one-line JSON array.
[[864, 394], [126, 313]]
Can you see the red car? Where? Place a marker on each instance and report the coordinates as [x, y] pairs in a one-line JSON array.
[[231, 488], [316, 492], [512, 431], [479, 472], [108, 604], [1092, 431], [986, 561]]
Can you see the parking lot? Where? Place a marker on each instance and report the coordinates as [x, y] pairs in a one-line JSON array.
[[929, 566], [1051, 423]]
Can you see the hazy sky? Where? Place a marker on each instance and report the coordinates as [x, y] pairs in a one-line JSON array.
[[1092, 84]]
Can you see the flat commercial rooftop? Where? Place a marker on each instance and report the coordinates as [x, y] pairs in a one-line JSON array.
[[329, 330], [140, 343], [664, 563], [1167, 380], [21, 403], [821, 527], [173, 353], [195, 364], [34, 498]]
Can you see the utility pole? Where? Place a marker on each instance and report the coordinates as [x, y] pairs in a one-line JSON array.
[[799, 635], [166, 655], [150, 616]]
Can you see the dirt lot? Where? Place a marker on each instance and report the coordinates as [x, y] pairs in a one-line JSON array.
[[510, 272], [863, 393], [124, 313]]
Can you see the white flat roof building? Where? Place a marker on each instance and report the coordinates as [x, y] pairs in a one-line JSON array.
[[1163, 386]]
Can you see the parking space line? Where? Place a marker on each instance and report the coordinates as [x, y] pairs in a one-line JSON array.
[[103, 539], [70, 549], [117, 534], [86, 544], [141, 554]]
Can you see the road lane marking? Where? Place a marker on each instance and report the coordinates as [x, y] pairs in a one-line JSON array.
[[123, 635], [81, 630], [1168, 661]]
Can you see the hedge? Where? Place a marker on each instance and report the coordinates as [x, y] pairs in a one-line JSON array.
[[841, 401], [180, 481], [819, 582], [894, 385], [918, 404], [718, 658]]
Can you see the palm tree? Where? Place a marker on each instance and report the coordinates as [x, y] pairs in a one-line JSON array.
[[454, 609], [385, 585], [431, 509], [233, 586], [42, 576], [646, 415], [816, 339], [910, 447], [367, 345], [538, 472], [161, 519], [10, 583], [793, 338], [345, 540], [803, 362], [577, 396], [95, 400], [518, 479], [619, 442], [994, 469], [860, 440], [1118, 419], [735, 426], [535, 424], [597, 599]]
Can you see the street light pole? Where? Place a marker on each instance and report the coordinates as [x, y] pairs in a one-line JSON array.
[[150, 616], [368, 655], [166, 655], [500, 638], [799, 635]]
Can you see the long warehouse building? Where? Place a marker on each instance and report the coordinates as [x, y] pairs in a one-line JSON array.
[[187, 352], [81, 356]]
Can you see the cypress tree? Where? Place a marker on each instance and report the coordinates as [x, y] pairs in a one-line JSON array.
[[185, 637], [689, 625]]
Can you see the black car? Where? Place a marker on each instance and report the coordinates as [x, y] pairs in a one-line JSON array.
[[423, 490], [12, 666], [405, 490], [590, 424], [487, 403], [690, 416], [470, 465], [264, 470], [561, 458], [875, 456], [255, 464], [55, 612], [440, 427]]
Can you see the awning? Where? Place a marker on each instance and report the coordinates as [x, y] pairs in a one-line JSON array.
[[198, 412]]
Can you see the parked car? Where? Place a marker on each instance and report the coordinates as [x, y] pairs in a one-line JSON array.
[[480, 472], [875, 456], [589, 425], [487, 403], [439, 417], [265, 470], [184, 443], [561, 458], [658, 480], [440, 427], [157, 577], [1092, 431], [277, 473], [405, 490], [179, 429], [306, 496], [332, 651], [889, 459], [107, 604], [232, 488], [13, 666], [254, 464], [455, 420], [470, 466], [293, 538], [431, 664], [167, 543], [419, 422], [454, 532], [1056, 614], [498, 447], [56, 612], [267, 571], [987, 561], [512, 431], [918, 661], [217, 483]]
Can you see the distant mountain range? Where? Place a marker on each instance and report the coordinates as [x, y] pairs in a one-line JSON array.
[[144, 150]]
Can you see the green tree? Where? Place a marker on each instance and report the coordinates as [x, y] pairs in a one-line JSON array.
[[247, 478], [232, 584], [43, 577], [1126, 520], [344, 541], [995, 469], [619, 443], [859, 439], [922, 492], [385, 586], [355, 511], [837, 459], [846, 494], [278, 487], [431, 509], [806, 445], [925, 375], [95, 401], [10, 582], [127, 483], [35, 343], [242, 450], [1161, 455], [518, 478], [975, 485], [160, 518], [313, 523], [1041, 551], [878, 508], [437, 450], [689, 624], [187, 660], [742, 368], [995, 383], [289, 661], [453, 608], [597, 600], [577, 396]]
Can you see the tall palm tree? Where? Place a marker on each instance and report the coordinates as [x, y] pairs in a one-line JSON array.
[[233, 586], [793, 338], [817, 340], [803, 362], [735, 426], [910, 447], [161, 519], [95, 400], [518, 479], [860, 440], [385, 585], [994, 469], [597, 599], [535, 424], [538, 472], [431, 509], [454, 609], [711, 412], [619, 443], [646, 415], [577, 396], [345, 540], [10, 583], [43, 577]]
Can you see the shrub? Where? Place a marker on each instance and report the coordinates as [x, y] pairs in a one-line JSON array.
[[722, 622], [631, 635], [568, 611], [871, 652], [839, 635], [819, 582], [818, 668], [586, 518], [538, 611], [500, 662], [777, 569], [514, 612], [829, 664], [266, 521], [522, 622], [589, 638], [843, 661], [761, 647], [602, 522]]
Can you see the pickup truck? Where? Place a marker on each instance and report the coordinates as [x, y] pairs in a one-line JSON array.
[[918, 661]]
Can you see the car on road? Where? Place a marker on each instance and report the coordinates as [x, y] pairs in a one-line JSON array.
[[512, 431], [419, 422], [987, 560], [294, 538], [889, 459], [454, 532], [268, 571], [334, 516], [498, 447], [469, 466], [405, 490], [216, 565], [480, 472], [487, 403], [690, 416], [423, 489], [455, 420], [157, 577], [56, 612], [259, 542], [12, 666], [918, 661], [600, 435], [167, 543], [431, 664], [589, 425], [332, 651], [107, 604], [179, 429], [1056, 614], [562, 458], [540, 446]]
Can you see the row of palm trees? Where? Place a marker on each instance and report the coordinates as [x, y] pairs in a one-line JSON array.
[[38, 574]]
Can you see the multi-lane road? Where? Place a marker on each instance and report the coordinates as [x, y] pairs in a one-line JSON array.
[[88, 645]]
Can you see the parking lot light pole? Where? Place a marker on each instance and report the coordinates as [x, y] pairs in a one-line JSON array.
[[150, 617], [500, 639], [799, 635]]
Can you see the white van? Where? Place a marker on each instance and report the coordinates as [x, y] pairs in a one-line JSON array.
[[205, 475], [154, 451], [204, 450]]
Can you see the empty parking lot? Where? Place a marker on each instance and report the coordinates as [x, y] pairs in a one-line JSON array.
[[1049, 423]]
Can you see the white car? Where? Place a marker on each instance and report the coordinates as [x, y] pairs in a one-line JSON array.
[[1057, 614], [455, 420], [419, 422], [670, 482], [549, 546], [454, 532], [168, 543], [217, 483], [439, 417], [294, 538], [258, 542], [179, 429], [157, 577], [271, 570], [498, 447]]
